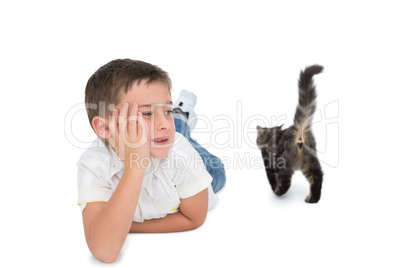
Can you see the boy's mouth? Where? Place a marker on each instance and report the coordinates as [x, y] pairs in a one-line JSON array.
[[161, 140]]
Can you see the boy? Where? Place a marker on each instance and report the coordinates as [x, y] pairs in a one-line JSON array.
[[140, 175]]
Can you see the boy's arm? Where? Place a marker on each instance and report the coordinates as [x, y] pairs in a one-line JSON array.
[[106, 225], [192, 214]]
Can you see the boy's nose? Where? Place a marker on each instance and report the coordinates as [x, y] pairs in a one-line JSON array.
[[161, 122]]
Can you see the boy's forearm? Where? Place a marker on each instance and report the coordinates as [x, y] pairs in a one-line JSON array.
[[171, 223], [110, 228], [192, 214]]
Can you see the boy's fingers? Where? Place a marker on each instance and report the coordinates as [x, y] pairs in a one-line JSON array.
[[122, 117], [134, 109], [142, 129], [113, 126], [113, 121], [132, 120]]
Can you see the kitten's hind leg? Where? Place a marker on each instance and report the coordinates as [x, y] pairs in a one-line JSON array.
[[283, 182], [314, 175]]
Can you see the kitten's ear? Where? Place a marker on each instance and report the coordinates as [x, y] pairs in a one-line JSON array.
[[280, 127], [260, 129]]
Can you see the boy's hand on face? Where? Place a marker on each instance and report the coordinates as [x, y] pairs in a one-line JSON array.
[[130, 135]]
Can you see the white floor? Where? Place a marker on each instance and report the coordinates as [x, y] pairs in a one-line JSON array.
[[242, 60]]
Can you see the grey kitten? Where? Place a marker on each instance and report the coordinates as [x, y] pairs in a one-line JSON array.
[[294, 148]]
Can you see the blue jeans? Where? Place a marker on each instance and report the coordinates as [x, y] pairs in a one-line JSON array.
[[212, 163]]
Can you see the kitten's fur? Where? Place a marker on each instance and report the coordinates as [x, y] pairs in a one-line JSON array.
[[294, 148]]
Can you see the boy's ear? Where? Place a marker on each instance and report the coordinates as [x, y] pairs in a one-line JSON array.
[[100, 127]]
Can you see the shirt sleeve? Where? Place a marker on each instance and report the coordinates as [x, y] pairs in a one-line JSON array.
[[93, 181], [191, 175]]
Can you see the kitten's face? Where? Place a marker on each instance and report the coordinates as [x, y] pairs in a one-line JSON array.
[[265, 135]]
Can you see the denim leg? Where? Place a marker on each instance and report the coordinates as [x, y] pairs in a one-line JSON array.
[[212, 163]]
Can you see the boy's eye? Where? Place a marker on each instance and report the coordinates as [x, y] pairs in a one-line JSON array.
[[149, 114]]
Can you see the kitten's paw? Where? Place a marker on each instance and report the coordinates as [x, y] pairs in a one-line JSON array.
[[273, 186], [281, 189], [312, 199]]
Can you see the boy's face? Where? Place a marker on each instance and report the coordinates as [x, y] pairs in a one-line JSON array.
[[155, 104]]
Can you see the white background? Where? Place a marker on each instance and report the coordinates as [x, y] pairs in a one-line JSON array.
[[242, 59]]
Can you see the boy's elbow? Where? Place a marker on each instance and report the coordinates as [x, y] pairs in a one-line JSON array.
[[198, 222], [106, 258], [105, 255]]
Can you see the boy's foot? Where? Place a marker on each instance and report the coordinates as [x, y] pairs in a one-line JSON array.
[[186, 102], [184, 115]]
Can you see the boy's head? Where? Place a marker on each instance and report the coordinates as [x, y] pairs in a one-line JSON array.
[[126, 80]]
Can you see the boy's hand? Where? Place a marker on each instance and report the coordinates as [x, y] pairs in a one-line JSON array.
[[130, 134]]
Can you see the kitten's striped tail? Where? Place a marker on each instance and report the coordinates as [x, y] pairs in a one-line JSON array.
[[307, 99]]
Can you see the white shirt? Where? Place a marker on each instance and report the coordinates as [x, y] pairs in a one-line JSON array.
[[181, 174]]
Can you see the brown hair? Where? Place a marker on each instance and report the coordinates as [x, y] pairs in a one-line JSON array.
[[105, 86]]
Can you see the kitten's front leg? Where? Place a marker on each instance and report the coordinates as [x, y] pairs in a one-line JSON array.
[[271, 174], [271, 178], [283, 182]]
